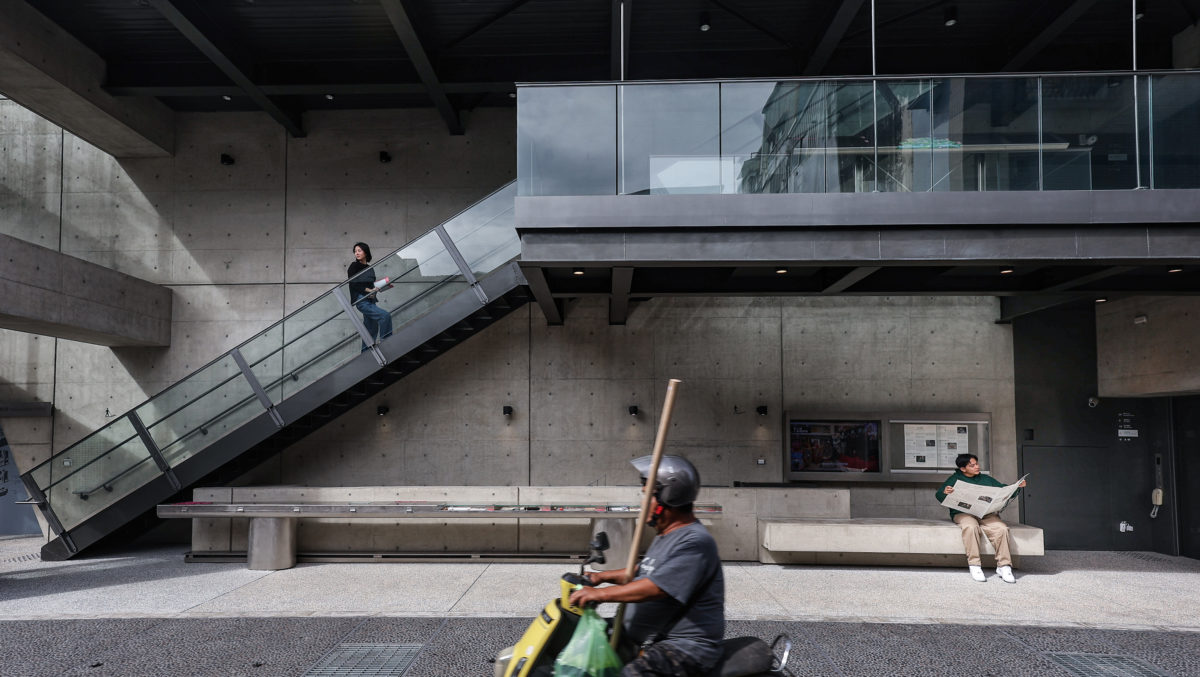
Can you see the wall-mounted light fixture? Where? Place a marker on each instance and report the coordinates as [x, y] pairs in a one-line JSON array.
[[507, 411], [633, 410], [329, 97], [761, 410], [950, 15], [1140, 319], [382, 409], [227, 159], [385, 157], [1139, 11], [226, 97], [705, 22]]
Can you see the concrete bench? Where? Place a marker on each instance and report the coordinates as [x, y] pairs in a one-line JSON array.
[[271, 544], [881, 540], [345, 537]]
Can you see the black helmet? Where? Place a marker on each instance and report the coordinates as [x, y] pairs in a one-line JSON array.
[[677, 482]]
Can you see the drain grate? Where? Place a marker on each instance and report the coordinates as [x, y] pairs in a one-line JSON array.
[[1104, 665], [28, 557], [366, 660]]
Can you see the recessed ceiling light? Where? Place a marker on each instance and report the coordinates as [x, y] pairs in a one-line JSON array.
[[227, 97], [1175, 270], [781, 271], [329, 97], [1006, 271], [577, 271], [1101, 300]]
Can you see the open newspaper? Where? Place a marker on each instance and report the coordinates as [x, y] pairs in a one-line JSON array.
[[979, 501]]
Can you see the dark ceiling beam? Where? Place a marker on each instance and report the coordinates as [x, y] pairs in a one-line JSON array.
[[834, 33], [1086, 279], [618, 303], [1048, 34], [202, 32], [551, 307], [761, 28], [420, 61], [1012, 307], [483, 25], [850, 279], [340, 89]]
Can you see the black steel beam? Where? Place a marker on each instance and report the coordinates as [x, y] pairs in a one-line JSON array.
[[1048, 34], [618, 303], [482, 25], [338, 89], [617, 45], [540, 288], [746, 19], [833, 35], [202, 32], [420, 61], [1012, 307], [1085, 279], [850, 279]]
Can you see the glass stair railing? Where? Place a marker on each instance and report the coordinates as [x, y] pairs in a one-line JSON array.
[[288, 380]]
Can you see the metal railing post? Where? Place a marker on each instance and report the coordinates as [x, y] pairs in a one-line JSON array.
[[257, 387], [460, 262], [367, 339], [152, 447]]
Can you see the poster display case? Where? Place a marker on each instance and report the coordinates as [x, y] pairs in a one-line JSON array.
[[882, 446]]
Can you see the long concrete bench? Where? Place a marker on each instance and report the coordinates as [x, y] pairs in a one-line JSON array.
[[881, 540], [271, 544], [340, 536]]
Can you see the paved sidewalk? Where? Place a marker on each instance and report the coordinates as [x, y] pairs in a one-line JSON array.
[[120, 610]]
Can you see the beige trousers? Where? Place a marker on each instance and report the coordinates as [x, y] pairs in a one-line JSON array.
[[996, 531]]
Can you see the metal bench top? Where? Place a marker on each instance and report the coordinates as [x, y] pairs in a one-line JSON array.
[[399, 509]]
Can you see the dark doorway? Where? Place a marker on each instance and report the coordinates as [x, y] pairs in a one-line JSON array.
[[1186, 417], [1072, 501]]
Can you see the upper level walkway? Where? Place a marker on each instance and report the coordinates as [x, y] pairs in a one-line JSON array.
[[1063, 185]]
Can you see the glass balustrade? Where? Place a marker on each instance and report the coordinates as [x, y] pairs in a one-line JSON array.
[[902, 134], [288, 356]]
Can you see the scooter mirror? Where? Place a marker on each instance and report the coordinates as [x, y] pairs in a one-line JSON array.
[[600, 542]]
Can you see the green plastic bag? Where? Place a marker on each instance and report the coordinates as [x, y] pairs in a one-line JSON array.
[[588, 653]]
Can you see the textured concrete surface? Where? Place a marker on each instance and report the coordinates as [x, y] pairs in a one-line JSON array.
[[146, 612], [1144, 346]]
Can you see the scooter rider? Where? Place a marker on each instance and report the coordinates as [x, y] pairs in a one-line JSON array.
[[677, 598]]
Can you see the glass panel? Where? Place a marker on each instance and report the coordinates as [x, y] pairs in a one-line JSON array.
[[1088, 133], [416, 273], [566, 140], [985, 134], [1174, 138], [774, 137], [850, 146], [98, 471], [485, 234], [906, 141], [264, 355], [670, 139], [318, 338], [200, 410]]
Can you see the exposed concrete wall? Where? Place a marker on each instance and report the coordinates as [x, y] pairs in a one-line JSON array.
[[1151, 358], [445, 426], [242, 245]]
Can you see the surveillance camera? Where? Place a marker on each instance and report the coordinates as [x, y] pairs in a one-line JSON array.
[[1093, 402]]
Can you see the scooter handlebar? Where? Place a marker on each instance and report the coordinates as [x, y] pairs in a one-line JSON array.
[[576, 579]]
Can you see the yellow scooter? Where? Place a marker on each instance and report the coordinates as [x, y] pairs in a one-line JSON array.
[[534, 654]]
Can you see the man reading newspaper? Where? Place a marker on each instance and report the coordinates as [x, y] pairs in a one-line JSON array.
[[975, 512]]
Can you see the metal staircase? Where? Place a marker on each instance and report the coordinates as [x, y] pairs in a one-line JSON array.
[[282, 384]]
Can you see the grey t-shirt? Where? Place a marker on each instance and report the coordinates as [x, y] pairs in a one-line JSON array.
[[680, 563]]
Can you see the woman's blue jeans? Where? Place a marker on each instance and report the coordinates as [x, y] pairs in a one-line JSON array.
[[377, 321]]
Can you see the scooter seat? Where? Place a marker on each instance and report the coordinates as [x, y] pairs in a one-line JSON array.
[[742, 657]]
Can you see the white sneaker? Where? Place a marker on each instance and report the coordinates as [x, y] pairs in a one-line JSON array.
[[977, 573], [1006, 574]]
